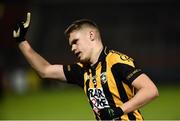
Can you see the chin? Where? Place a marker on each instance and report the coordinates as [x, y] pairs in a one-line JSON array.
[[83, 60]]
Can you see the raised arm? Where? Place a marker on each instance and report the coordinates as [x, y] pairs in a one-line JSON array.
[[42, 66]]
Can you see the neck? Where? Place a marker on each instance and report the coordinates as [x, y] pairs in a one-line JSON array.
[[96, 53]]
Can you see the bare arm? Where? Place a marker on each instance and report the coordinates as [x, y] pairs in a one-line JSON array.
[[146, 92], [43, 67]]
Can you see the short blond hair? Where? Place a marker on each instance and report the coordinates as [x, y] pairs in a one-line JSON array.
[[79, 24]]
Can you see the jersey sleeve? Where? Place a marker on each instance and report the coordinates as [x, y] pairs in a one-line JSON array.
[[126, 69], [129, 73], [74, 74]]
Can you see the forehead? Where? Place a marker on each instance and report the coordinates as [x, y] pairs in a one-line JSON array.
[[76, 34]]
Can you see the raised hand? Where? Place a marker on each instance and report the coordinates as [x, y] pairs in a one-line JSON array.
[[21, 28]]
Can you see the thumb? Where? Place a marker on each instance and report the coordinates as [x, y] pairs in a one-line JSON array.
[[26, 24], [16, 33]]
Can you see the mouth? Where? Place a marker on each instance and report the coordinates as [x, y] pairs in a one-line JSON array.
[[78, 54]]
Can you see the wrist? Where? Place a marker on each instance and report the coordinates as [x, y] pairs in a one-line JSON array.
[[20, 40], [111, 113], [118, 112]]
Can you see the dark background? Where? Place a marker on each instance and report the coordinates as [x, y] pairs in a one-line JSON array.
[[148, 31]]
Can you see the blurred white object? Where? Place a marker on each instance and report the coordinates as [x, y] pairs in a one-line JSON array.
[[19, 82]]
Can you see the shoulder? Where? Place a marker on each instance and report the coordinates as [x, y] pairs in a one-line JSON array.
[[118, 57], [73, 67]]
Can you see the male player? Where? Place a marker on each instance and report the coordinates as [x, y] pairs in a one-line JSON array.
[[115, 87]]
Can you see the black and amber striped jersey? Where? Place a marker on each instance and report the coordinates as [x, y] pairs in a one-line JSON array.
[[107, 83]]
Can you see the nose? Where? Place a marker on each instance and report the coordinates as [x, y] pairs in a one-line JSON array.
[[73, 48]]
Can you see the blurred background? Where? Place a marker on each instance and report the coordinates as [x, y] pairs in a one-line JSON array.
[[148, 31]]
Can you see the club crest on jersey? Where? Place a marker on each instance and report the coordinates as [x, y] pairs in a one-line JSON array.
[[103, 78], [97, 98]]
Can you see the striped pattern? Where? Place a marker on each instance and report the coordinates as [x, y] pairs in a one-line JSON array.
[[109, 80]]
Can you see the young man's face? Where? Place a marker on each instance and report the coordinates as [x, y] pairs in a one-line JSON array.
[[80, 43]]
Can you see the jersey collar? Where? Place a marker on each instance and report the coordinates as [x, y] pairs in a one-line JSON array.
[[102, 56]]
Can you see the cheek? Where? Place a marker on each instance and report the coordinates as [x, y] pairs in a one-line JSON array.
[[84, 44]]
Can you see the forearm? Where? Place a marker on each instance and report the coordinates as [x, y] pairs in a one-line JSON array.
[[34, 59], [43, 67], [147, 91], [141, 98]]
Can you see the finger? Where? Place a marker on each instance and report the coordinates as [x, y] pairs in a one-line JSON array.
[[26, 24], [16, 33]]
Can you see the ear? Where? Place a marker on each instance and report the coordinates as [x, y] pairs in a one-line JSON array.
[[92, 35]]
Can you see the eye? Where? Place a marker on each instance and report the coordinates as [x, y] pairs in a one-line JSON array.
[[74, 41]]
